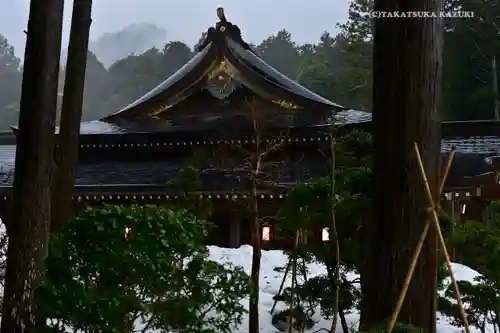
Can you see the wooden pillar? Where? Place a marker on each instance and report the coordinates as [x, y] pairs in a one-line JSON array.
[[235, 231]]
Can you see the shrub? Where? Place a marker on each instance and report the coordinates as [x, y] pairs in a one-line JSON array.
[[101, 280], [479, 245]]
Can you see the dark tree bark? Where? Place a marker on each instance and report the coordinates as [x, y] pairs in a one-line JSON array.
[[253, 304], [407, 75], [66, 155], [30, 222]]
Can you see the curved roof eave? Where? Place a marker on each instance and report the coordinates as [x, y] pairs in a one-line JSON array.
[[283, 81], [254, 70], [195, 63]]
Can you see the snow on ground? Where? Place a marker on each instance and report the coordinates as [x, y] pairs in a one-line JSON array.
[[270, 281]]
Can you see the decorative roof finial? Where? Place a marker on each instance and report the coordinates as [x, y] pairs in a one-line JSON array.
[[220, 14]]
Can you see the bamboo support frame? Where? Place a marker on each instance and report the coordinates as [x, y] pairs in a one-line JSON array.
[[416, 254], [423, 235], [441, 239]]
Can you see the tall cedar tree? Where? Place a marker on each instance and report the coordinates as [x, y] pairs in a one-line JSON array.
[[29, 224], [407, 77], [66, 155]]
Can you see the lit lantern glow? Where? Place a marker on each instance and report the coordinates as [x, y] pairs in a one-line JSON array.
[[463, 208], [266, 233], [127, 232], [325, 235]]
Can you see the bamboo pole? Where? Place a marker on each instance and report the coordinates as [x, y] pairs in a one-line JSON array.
[[418, 249], [441, 239], [449, 162]]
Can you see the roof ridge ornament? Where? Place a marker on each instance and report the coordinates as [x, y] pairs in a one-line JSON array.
[[226, 28], [221, 15]]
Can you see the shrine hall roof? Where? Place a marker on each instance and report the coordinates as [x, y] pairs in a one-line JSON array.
[[224, 64], [224, 76]]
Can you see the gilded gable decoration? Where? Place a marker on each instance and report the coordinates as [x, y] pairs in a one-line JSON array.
[[220, 81]]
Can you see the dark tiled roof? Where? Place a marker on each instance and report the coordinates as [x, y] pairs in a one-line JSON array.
[[98, 127], [486, 145], [169, 82], [347, 117], [94, 127], [466, 164], [149, 173], [160, 172], [473, 157], [259, 66], [483, 147], [7, 158]]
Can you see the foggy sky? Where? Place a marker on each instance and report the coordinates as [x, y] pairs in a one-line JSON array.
[[185, 20]]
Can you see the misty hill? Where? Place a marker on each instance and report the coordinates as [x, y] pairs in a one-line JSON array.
[[133, 39]]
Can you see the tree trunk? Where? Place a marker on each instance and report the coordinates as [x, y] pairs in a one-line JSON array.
[[407, 76], [343, 321], [253, 306], [66, 155], [33, 168], [496, 96]]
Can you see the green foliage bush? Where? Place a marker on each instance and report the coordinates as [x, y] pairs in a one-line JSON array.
[[309, 207], [479, 244], [100, 281]]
